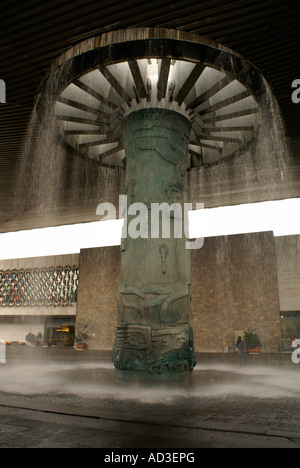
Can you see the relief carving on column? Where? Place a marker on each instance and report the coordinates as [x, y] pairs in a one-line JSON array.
[[154, 333], [153, 302], [157, 352]]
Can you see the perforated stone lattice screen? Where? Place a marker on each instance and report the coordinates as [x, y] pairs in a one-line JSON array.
[[52, 286]]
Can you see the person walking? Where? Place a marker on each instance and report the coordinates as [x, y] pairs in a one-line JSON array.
[[241, 350]]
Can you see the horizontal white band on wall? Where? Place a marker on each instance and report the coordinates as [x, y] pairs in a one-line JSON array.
[[280, 216]]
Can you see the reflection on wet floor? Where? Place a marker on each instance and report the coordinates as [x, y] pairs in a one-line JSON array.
[[96, 379], [223, 396]]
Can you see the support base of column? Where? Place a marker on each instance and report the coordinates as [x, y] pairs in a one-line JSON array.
[[132, 378], [144, 353]]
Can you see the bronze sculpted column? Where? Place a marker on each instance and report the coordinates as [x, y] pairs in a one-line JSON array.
[[156, 102], [154, 337]]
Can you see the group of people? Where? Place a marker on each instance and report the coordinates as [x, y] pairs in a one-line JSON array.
[[295, 344]]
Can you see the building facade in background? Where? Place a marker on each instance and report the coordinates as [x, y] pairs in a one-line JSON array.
[[238, 282], [38, 297]]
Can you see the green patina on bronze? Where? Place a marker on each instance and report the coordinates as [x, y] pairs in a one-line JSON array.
[[154, 337]]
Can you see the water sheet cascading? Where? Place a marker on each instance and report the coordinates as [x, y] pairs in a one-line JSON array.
[[157, 103]]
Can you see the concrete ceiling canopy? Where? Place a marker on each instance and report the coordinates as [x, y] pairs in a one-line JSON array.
[[93, 85]]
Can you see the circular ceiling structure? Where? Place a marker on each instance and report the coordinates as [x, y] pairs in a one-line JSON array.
[[94, 85]]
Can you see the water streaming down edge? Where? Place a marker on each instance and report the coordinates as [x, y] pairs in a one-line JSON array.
[[50, 177], [261, 173], [56, 186]]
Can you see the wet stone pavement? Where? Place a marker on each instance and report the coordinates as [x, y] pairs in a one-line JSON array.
[[50, 398]]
